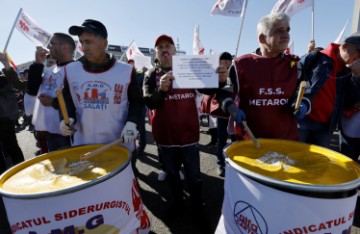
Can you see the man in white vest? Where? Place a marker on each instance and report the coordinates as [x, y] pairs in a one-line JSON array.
[[45, 81], [101, 94], [104, 101]]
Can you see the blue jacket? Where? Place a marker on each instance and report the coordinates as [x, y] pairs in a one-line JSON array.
[[316, 69]]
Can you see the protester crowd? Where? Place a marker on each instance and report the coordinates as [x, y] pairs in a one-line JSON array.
[[253, 88]]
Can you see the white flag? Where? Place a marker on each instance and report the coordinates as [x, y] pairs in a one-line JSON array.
[[28, 26], [233, 8], [280, 6], [133, 50], [78, 50], [341, 34], [290, 49], [198, 47], [298, 5]]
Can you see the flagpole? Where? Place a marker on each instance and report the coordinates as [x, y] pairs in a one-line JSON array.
[[242, 16], [338, 39], [122, 56], [12, 30], [313, 20]]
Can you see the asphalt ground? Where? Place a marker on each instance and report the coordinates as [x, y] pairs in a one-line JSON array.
[[155, 193]]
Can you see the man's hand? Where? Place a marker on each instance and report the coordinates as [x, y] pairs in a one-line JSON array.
[[311, 46], [129, 133], [40, 54], [236, 113], [45, 99], [301, 111], [166, 81], [240, 117], [69, 129]]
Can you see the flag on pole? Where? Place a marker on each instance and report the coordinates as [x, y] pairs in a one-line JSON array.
[[280, 6], [341, 34], [198, 47], [133, 50], [228, 8], [10, 60], [297, 5], [28, 26], [78, 50]]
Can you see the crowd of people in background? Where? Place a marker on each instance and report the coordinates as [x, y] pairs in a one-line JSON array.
[[253, 88]]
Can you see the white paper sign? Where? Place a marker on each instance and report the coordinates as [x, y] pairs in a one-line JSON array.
[[142, 61], [195, 71]]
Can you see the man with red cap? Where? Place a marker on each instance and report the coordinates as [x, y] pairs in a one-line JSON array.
[[175, 126]]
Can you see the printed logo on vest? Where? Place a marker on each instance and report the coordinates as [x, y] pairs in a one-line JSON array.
[[93, 94]]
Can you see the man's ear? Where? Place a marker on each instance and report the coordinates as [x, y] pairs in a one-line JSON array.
[[262, 38]]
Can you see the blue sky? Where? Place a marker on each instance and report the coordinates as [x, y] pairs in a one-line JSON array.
[[144, 20]]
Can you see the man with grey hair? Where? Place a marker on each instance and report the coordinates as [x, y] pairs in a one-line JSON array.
[[267, 81]]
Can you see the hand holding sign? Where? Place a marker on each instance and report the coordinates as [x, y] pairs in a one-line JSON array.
[[166, 81]]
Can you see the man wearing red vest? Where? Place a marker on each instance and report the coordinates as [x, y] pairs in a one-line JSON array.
[[333, 82]]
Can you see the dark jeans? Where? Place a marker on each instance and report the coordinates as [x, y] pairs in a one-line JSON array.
[[2, 161], [9, 141], [161, 161], [350, 147], [320, 137], [142, 134], [189, 156], [57, 141], [312, 132], [222, 138], [4, 223]]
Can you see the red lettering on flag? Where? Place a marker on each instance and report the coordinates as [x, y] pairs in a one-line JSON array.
[[23, 26]]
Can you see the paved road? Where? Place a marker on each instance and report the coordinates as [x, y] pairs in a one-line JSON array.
[[155, 193]]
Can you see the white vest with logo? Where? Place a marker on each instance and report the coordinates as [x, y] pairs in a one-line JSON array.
[[101, 101], [46, 118]]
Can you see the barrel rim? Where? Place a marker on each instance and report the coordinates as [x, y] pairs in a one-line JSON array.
[[316, 188], [76, 188]]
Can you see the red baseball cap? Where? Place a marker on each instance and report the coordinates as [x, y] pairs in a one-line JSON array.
[[164, 37]]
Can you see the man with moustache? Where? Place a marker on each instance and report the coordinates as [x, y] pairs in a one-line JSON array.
[[175, 125]]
